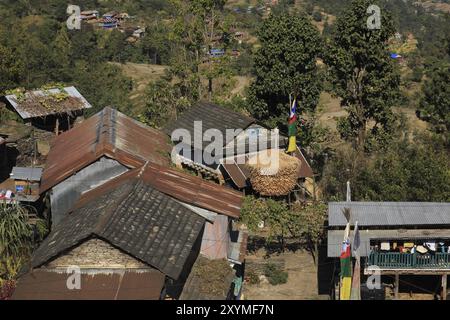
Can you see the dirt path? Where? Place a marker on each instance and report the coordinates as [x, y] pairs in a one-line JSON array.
[[302, 279]]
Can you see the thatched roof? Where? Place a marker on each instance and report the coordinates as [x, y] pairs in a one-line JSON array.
[[273, 173]]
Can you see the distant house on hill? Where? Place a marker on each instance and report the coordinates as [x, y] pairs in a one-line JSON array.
[[237, 148], [52, 109], [109, 23], [89, 15]]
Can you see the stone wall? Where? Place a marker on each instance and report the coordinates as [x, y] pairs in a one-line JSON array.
[[96, 253]]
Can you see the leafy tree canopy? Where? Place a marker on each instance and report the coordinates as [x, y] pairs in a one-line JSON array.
[[362, 73], [285, 64]]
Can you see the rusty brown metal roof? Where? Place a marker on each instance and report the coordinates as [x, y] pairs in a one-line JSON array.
[[40, 103], [194, 190], [107, 133], [236, 174], [305, 168], [123, 285], [179, 185]]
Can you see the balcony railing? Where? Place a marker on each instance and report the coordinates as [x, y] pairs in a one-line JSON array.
[[397, 260]]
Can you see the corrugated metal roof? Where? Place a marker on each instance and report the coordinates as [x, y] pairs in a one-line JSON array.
[[194, 190], [335, 237], [24, 173], [236, 174], [305, 169], [134, 217], [390, 213], [31, 107], [121, 285], [207, 214], [179, 185], [216, 239], [212, 117], [108, 133]]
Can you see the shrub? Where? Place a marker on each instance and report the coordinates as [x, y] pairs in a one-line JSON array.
[[275, 275], [6, 289], [252, 277], [317, 16]]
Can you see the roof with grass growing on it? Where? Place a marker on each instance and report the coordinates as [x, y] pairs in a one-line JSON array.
[[46, 102]]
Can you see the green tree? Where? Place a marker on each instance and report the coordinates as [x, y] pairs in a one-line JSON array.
[[307, 222], [115, 47], [275, 214], [156, 45], [61, 50], [435, 104], [11, 69], [362, 73], [200, 26], [163, 101], [407, 171], [285, 64], [103, 85], [302, 222]]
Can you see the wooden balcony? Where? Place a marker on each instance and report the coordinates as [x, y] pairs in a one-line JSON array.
[[416, 261]]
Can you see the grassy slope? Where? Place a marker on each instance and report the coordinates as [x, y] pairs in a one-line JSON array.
[[142, 75]]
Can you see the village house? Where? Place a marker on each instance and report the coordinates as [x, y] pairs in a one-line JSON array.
[[125, 239], [237, 149], [119, 169], [100, 148], [26, 183], [89, 15], [148, 219], [397, 239], [53, 109]]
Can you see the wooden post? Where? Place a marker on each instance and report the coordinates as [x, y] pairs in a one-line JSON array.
[[444, 286], [57, 126], [397, 283]]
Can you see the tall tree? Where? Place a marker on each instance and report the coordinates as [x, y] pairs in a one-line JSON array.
[[285, 65], [61, 50], [362, 73], [199, 26], [435, 104], [11, 69]]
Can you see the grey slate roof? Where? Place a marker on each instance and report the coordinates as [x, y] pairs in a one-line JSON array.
[[212, 117], [390, 213], [24, 173], [135, 218]]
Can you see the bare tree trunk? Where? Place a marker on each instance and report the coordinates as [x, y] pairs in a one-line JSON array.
[[361, 136], [209, 89]]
